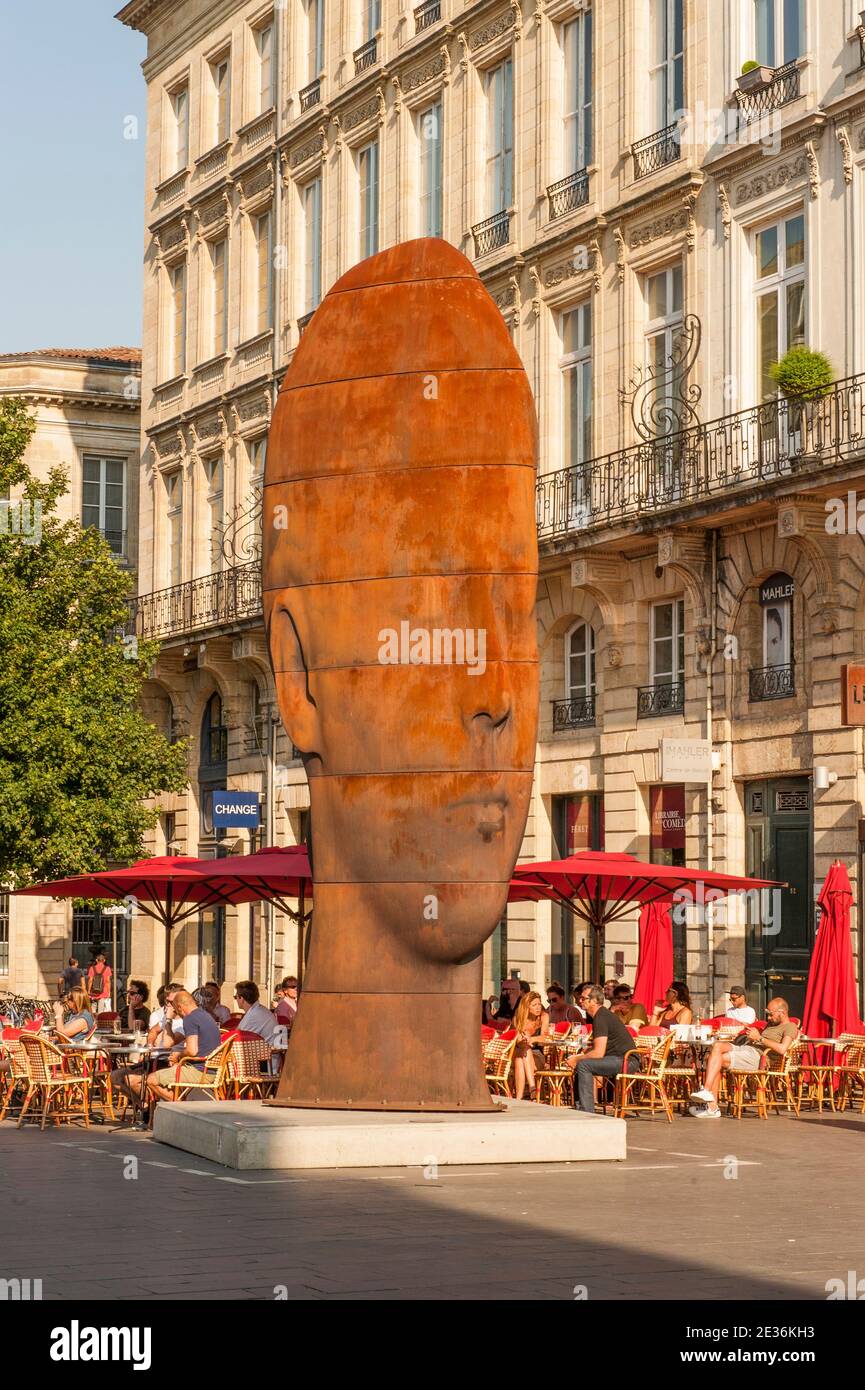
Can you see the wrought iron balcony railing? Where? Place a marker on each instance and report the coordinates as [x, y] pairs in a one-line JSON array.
[[427, 14], [310, 96], [771, 683], [365, 56], [784, 85], [653, 701], [747, 450], [492, 233], [228, 596], [577, 712], [656, 151], [568, 194]]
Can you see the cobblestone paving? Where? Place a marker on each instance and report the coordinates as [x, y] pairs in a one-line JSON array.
[[671, 1222]]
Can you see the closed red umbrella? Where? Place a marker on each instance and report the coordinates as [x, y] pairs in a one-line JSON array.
[[655, 962], [830, 999]]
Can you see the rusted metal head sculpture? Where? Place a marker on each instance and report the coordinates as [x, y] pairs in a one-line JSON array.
[[400, 568]]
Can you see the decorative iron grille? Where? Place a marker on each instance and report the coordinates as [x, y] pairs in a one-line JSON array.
[[784, 86], [771, 683], [656, 151], [430, 12], [575, 713], [492, 233], [215, 600], [656, 700], [311, 95], [568, 194], [365, 56]]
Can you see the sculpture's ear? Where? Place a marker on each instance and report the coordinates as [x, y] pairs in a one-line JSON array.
[[296, 704]]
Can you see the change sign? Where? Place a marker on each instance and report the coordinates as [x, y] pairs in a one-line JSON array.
[[236, 810]]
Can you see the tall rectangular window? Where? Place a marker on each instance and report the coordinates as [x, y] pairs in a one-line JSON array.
[[257, 454], [312, 245], [177, 320], [576, 365], [174, 499], [668, 643], [103, 498], [215, 495], [373, 19], [264, 50], [263, 272], [368, 176], [667, 65], [664, 316], [500, 137], [180, 116], [429, 129], [780, 270], [220, 76], [577, 105], [779, 31], [315, 38], [219, 297]]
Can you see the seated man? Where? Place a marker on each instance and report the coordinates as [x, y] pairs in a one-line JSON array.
[[133, 1011], [256, 1018], [739, 1008], [632, 1015], [745, 1056], [610, 1041], [200, 1037]]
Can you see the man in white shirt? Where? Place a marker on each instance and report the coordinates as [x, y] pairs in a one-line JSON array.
[[256, 1018], [739, 1008]]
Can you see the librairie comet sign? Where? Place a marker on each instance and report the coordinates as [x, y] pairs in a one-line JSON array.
[[236, 810], [853, 694]]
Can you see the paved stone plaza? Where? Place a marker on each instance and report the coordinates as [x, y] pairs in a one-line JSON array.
[[667, 1223]]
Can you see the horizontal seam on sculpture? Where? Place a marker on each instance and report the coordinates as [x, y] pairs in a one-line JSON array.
[[387, 578], [415, 280], [517, 370], [397, 468], [374, 665], [429, 772]]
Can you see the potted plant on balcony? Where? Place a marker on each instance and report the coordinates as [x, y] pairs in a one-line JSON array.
[[753, 75], [804, 377]]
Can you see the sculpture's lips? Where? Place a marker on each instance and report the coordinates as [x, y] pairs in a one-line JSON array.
[[491, 811]]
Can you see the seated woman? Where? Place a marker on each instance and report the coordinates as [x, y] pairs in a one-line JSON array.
[[532, 1024], [560, 1010], [675, 1006], [74, 1020]]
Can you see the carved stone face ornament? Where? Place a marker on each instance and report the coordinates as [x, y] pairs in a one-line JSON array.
[[400, 569]]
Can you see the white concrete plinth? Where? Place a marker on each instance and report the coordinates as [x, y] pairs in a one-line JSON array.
[[247, 1134]]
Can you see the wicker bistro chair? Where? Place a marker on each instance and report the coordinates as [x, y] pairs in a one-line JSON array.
[[247, 1069], [64, 1095], [850, 1069], [782, 1082], [645, 1090], [499, 1065], [214, 1074], [16, 1079], [767, 1088], [833, 1080]]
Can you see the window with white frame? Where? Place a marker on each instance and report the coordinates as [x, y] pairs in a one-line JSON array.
[[500, 137], [174, 512], [372, 19], [103, 498], [667, 61], [256, 452], [263, 229], [576, 366], [315, 38], [213, 470], [664, 293], [312, 245], [780, 270], [367, 165], [668, 643], [264, 54], [779, 31], [177, 320], [218, 254], [220, 98], [179, 152], [429, 133], [577, 97], [580, 662]]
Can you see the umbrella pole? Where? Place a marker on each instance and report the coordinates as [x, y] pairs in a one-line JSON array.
[[301, 903], [168, 925]]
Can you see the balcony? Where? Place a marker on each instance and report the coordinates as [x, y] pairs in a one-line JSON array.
[[427, 14], [578, 712], [744, 452], [365, 56], [310, 96], [655, 701], [782, 87], [216, 600], [771, 683], [303, 321], [656, 151], [568, 194], [492, 234]]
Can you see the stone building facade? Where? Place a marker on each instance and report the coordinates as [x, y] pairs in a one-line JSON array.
[[657, 228], [86, 404]]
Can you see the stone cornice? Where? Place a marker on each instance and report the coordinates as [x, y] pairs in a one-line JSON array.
[[62, 397], [736, 161]]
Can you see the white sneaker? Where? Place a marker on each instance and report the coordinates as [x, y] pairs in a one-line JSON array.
[[704, 1095], [706, 1114]]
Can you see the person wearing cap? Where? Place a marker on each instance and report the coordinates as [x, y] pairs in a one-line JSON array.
[[739, 1008]]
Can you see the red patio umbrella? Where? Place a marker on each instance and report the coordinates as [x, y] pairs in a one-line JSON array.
[[655, 960], [830, 999], [173, 888]]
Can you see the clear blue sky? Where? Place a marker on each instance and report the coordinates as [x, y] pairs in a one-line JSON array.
[[71, 225]]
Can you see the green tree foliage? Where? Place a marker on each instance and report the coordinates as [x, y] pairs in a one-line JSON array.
[[77, 756]]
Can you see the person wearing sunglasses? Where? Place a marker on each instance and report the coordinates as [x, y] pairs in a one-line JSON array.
[[739, 1007], [633, 1015]]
